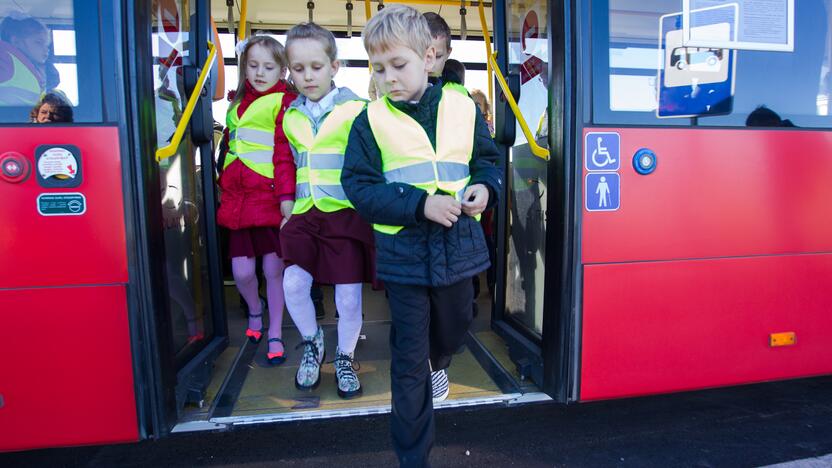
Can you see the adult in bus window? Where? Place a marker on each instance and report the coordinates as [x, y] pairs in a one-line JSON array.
[[53, 107], [24, 53]]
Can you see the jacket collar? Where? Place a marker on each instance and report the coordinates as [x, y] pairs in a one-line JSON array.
[[432, 95], [279, 87], [344, 95]]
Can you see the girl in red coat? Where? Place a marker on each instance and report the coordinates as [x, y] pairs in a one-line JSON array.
[[258, 183]]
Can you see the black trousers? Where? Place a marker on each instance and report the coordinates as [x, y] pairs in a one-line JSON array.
[[428, 323]]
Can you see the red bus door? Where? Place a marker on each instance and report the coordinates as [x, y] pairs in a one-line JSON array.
[[188, 316], [529, 40], [66, 363]]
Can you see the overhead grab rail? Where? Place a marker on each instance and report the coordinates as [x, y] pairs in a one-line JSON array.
[[170, 149], [536, 149]]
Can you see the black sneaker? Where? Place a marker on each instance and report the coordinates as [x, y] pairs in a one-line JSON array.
[[441, 387]]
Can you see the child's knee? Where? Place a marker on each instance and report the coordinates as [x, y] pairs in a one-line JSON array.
[[272, 267], [348, 299], [243, 270], [295, 283]]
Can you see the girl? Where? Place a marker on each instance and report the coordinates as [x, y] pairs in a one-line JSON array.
[[258, 183], [325, 239], [25, 69]]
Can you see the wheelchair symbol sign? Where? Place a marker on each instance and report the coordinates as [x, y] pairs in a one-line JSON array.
[[602, 151]]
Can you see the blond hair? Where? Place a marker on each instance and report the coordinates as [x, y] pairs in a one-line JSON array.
[[482, 102], [397, 25], [272, 45], [316, 32]]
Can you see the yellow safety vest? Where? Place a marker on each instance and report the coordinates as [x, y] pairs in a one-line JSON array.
[[407, 154], [319, 157], [22, 88], [251, 137]]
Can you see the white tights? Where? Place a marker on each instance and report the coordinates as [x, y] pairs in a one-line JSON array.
[[297, 284]]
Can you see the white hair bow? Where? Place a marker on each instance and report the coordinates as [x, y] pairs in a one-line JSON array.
[[241, 47]]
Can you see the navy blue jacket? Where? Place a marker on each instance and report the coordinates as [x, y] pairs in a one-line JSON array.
[[424, 253]]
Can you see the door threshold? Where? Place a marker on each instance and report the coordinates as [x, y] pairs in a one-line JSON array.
[[359, 411], [225, 423]]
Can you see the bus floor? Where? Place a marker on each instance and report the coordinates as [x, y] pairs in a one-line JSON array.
[[245, 388]]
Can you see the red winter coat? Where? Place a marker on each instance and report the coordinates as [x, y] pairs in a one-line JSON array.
[[248, 199]]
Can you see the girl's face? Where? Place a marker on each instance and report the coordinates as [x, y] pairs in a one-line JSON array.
[[262, 71], [47, 113], [310, 68], [35, 46]]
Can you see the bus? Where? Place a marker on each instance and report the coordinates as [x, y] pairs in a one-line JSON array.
[[662, 228]]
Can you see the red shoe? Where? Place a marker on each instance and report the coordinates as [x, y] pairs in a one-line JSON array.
[[278, 358], [254, 336], [193, 339]]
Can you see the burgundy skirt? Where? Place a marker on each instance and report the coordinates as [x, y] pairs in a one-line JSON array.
[[335, 248], [253, 242]]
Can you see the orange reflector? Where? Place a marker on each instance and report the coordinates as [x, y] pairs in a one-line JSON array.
[[782, 339]]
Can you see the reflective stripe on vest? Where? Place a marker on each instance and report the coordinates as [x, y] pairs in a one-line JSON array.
[[319, 157], [406, 151], [251, 137], [22, 88]]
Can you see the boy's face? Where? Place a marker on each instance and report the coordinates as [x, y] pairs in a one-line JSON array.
[[440, 46], [310, 68], [400, 73]]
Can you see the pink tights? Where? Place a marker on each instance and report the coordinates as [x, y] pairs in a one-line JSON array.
[[243, 269]]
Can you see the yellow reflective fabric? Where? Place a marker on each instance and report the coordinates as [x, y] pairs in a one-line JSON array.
[[251, 137], [22, 88], [406, 151], [320, 158]]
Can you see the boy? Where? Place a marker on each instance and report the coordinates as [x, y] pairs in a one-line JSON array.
[[420, 165], [440, 40]]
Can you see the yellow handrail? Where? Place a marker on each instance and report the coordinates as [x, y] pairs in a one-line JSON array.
[[241, 26], [486, 36], [170, 149], [537, 150]]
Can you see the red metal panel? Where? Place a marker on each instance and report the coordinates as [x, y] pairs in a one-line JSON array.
[[669, 326], [37, 250], [66, 373], [716, 193]]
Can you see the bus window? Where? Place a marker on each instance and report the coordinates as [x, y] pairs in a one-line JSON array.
[[770, 88], [42, 48]]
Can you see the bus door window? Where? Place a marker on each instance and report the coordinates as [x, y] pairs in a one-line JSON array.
[[528, 56], [771, 88], [41, 48], [180, 183]]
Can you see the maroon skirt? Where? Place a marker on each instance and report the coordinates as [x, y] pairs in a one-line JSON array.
[[335, 248], [253, 241]]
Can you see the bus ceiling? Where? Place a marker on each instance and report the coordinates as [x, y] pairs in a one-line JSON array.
[[333, 14]]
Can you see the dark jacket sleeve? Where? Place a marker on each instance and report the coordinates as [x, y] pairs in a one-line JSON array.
[[483, 165], [223, 151], [375, 200]]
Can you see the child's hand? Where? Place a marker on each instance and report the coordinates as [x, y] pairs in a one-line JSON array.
[[475, 199], [442, 209], [286, 208]]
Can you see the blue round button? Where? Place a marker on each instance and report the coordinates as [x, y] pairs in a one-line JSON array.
[[644, 161]]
